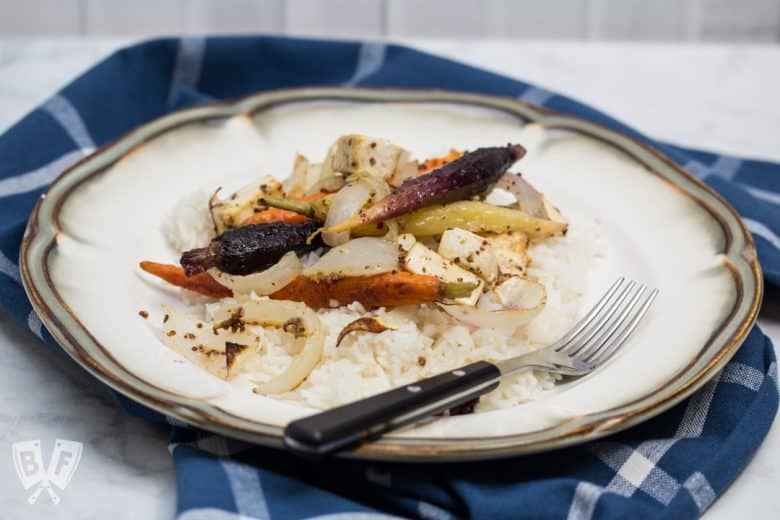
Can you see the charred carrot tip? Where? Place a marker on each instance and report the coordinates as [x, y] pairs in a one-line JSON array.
[[201, 283], [153, 267]]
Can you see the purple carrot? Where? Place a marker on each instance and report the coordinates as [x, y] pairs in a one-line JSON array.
[[250, 248], [472, 174]]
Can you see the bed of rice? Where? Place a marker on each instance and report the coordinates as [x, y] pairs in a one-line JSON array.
[[426, 340]]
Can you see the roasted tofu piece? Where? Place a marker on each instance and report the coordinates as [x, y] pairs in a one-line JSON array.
[[359, 153], [510, 250], [418, 259], [470, 251]]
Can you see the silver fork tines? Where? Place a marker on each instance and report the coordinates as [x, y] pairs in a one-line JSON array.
[[596, 337]]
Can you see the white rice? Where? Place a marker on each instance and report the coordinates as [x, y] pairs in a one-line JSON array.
[[189, 225], [427, 341]]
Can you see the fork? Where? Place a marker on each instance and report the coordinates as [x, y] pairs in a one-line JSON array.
[[588, 345]]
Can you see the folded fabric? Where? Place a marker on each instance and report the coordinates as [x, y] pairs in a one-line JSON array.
[[674, 465]]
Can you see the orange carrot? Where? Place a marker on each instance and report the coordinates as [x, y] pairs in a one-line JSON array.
[[281, 215], [301, 289], [274, 215], [202, 283], [305, 290], [385, 290], [380, 290], [438, 162]]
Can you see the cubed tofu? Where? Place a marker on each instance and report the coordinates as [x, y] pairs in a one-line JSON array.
[[470, 251], [359, 153], [406, 241], [421, 260], [510, 252]]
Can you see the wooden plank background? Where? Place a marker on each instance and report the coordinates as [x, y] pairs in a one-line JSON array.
[[666, 20]]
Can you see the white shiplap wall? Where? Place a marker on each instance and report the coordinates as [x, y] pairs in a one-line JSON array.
[[724, 20]]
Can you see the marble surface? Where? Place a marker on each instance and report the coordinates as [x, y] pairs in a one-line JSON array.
[[715, 97]]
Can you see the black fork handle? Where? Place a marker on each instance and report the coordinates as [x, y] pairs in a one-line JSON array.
[[368, 419]]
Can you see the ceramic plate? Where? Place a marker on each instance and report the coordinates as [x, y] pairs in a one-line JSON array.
[[658, 224]]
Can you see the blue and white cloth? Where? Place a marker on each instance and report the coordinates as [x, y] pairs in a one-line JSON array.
[[673, 466]]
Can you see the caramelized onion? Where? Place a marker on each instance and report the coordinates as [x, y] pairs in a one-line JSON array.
[[358, 257], [346, 204], [516, 302], [280, 314], [265, 282]]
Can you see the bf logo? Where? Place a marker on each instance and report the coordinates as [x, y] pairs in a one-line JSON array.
[[28, 461]]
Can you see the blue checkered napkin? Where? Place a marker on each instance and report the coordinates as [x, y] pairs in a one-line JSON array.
[[672, 466]]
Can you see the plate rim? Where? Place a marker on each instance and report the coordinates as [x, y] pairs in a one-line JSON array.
[[39, 240]]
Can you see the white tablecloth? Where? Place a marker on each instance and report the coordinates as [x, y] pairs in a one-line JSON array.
[[716, 97]]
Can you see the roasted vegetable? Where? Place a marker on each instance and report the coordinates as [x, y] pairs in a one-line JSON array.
[[313, 206], [419, 259], [470, 175], [359, 153], [274, 215], [437, 162], [300, 289], [359, 257], [477, 217], [264, 282], [382, 290], [346, 204], [250, 248], [394, 289], [305, 290], [222, 352], [469, 251], [280, 314], [318, 211], [365, 324], [229, 213], [303, 176], [280, 214], [528, 199], [510, 251], [511, 305], [202, 283], [461, 409]]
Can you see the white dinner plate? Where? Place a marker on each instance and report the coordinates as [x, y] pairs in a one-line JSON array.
[[657, 224]]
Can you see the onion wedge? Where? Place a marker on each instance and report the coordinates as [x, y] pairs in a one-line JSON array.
[[519, 301], [265, 282], [219, 351], [282, 314], [528, 199], [346, 204], [358, 257]]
